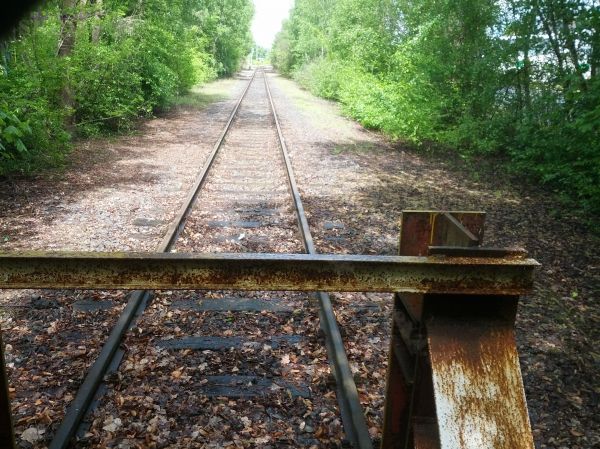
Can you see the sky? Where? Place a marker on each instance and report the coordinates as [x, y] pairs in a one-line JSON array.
[[268, 15]]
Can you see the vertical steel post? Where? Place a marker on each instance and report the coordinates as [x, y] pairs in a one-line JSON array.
[[477, 385], [409, 416], [453, 379], [7, 435]]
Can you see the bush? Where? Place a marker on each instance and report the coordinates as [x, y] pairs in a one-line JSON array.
[[107, 88], [12, 132], [562, 150], [32, 130], [321, 77]]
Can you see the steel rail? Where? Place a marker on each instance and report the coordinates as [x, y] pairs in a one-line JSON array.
[[353, 416], [136, 304]]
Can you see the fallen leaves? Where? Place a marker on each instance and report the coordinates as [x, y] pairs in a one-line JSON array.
[[32, 434], [49, 349], [112, 424], [48, 357]]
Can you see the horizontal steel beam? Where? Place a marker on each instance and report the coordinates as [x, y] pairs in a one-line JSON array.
[[301, 272]]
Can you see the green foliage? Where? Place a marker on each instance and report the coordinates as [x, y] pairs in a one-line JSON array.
[[389, 106], [85, 68], [30, 87], [321, 77], [225, 26], [282, 56], [562, 149], [259, 55], [517, 79], [108, 94], [12, 132]]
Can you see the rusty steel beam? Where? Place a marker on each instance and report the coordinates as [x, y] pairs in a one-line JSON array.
[[477, 384], [466, 378], [422, 229], [453, 233], [455, 251], [299, 272]]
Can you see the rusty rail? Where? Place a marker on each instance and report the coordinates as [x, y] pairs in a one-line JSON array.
[[353, 416]]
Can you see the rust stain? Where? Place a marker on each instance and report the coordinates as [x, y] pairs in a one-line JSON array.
[[432, 218], [284, 272], [479, 396]]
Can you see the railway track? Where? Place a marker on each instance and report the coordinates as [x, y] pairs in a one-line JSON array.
[[192, 367]]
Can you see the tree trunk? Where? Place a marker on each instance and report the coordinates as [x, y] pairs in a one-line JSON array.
[[65, 48], [552, 39]]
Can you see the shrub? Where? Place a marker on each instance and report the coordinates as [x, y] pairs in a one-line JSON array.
[[321, 77]]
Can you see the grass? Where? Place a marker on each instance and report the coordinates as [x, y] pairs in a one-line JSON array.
[[196, 100], [201, 96], [355, 147], [315, 108]]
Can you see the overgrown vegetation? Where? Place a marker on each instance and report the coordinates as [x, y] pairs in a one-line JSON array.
[[76, 67], [517, 79]]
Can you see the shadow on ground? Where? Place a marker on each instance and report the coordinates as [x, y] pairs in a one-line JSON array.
[[558, 322]]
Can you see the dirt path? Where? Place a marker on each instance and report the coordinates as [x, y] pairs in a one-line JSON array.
[[119, 195]]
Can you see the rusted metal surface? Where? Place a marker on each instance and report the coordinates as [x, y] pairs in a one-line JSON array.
[[452, 232], [251, 271], [474, 221], [453, 251], [409, 410], [416, 234], [478, 390], [422, 229], [397, 403], [467, 380], [425, 435]]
